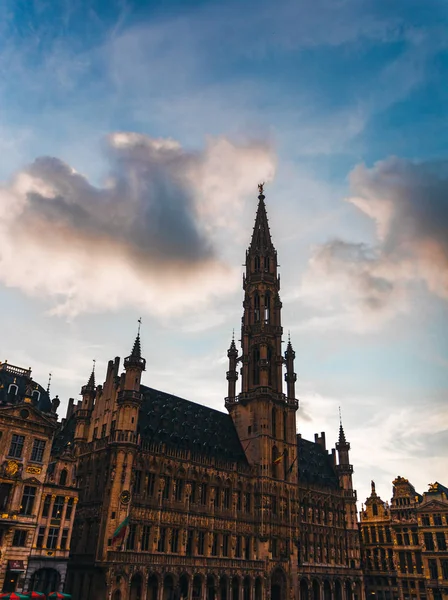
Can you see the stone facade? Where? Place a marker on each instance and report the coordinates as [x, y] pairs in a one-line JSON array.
[[405, 544], [218, 506], [37, 486]]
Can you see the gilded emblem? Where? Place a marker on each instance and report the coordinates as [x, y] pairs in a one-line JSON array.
[[34, 470], [11, 468]]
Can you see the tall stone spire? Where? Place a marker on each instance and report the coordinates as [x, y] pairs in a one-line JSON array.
[[261, 236], [263, 415]]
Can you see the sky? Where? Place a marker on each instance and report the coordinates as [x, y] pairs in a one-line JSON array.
[[132, 138]]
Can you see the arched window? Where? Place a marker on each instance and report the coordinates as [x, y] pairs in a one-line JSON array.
[[257, 263], [274, 422], [13, 389], [266, 264], [36, 395], [269, 366], [256, 366], [285, 425], [267, 307], [63, 477], [256, 308]]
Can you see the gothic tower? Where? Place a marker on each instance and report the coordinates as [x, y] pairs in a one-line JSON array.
[[345, 472], [264, 416]]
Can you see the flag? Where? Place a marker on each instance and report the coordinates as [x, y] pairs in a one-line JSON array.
[[280, 458], [121, 529]]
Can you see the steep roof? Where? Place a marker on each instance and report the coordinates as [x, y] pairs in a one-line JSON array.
[[180, 423], [315, 465]]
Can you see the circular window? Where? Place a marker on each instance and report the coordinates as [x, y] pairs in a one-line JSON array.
[[24, 413]]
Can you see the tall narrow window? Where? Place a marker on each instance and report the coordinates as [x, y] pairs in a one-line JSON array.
[[37, 453], [257, 263], [256, 308], [256, 366], [16, 448], [274, 422], [64, 539], [28, 498], [146, 533], [267, 307], [269, 359], [266, 264], [130, 542]]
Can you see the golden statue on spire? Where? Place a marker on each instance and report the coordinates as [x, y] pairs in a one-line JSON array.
[[260, 188]]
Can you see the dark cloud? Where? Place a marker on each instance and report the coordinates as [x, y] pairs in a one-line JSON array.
[[147, 231]]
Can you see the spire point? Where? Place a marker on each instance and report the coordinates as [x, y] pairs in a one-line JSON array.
[[342, 439], [91, 382], [260, 191], [49, 382]]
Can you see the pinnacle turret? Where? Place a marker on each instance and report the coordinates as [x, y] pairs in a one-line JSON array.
[[135, 358]]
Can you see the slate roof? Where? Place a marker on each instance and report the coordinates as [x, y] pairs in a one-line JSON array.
[[171, 420], [22, 379], [315, 465], [64, 436]]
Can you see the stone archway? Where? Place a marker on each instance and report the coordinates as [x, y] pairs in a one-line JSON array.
[[348, 590], [168, 587], [316, 590], [278, 585], [235, 588], [337, 590], [211, 587], [304, 592], [45, 580], [327, 590], [153, 587], [183, 586], [136, 588], [246, 588], [224, 587], [258, 589], [197, 587]]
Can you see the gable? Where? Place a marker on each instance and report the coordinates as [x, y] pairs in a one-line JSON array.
[[26, 414], [433, 505]]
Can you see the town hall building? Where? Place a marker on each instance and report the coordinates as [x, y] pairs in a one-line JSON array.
[[177, 500]]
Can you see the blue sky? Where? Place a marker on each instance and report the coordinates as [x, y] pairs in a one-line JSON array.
[[116, 225]]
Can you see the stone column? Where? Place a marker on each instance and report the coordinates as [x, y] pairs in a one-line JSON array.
[[144, 586]]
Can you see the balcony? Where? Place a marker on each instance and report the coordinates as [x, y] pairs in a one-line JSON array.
[[129, 396], [198, 562]]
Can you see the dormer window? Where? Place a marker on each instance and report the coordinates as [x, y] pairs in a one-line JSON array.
[[13, 389], [36, 395]]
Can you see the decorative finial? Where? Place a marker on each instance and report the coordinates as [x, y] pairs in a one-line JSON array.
[[260, 188], [139, 321], [340, 417], [49, 382], [289, 336], [94, 363], [233, 335]]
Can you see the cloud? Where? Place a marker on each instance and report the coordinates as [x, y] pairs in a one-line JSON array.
[[360, 285], [143, 239]]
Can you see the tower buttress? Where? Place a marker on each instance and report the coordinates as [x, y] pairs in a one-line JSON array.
[[84, 411], [129, 398], [264, 416]]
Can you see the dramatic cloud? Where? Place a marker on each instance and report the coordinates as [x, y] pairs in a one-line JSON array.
[[145, 238], [408, 202]]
